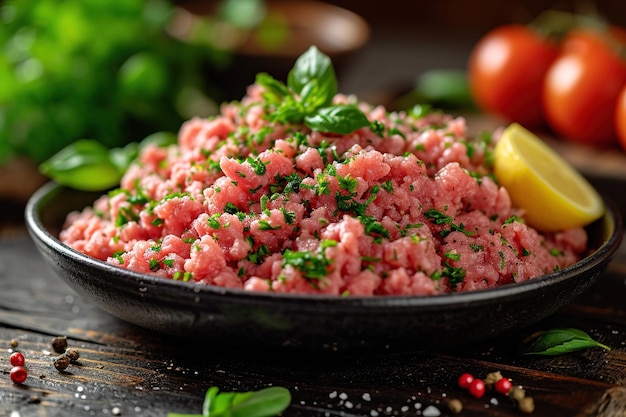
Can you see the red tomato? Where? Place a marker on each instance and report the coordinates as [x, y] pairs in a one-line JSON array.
[[506, 71], [581, 89], [620, 118]]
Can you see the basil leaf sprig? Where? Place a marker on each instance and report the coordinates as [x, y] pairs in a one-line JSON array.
[[267, 402], [307, 97], [337, 119], [88, 165], [559, 341]]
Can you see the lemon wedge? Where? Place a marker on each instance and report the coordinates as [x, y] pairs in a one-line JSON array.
[[552, 193]]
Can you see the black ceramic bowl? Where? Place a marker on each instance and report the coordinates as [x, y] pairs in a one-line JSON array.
[[239, 318]]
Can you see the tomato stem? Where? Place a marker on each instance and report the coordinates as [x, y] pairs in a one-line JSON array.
[[556, 24]]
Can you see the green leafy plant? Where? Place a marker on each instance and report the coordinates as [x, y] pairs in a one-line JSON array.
[[307, 96], [89, 165], [267, 402], [559, 341], [105, 70]]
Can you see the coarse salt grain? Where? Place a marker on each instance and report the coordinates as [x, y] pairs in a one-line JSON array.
[[431, 411]]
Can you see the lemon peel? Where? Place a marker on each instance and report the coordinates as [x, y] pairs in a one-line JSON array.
[[553, 194]]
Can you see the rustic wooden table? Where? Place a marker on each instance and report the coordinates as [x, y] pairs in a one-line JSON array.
[[128, 371], [125, 370]]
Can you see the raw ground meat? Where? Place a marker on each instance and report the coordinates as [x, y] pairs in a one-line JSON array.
[[242, 202]]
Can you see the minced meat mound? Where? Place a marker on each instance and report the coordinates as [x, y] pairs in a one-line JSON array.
[[405, 206]]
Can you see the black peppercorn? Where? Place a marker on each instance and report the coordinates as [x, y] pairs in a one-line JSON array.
[[72, 354], [61, 363], [59, 344]]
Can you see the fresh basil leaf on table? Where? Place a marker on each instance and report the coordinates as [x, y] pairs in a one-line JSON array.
[[266, 402], [559, 341]]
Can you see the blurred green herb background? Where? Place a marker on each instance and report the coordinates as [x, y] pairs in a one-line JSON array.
[[99, 69]]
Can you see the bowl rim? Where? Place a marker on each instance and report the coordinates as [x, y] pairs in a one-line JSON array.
[[612, 220]]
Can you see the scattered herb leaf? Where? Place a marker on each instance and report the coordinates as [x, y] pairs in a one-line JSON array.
[[267, 402], [313, 266], [559, 341]]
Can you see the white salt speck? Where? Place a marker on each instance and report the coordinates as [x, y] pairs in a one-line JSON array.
[[15, 413], [343, 396], [83, 397], [137, 409], [348, 404], [116, 411], [404, 408], [366, 397], [494, 401], [388, 410], [332, 394], [431, 411], [80, 388], [374, 413], [418, 406]]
